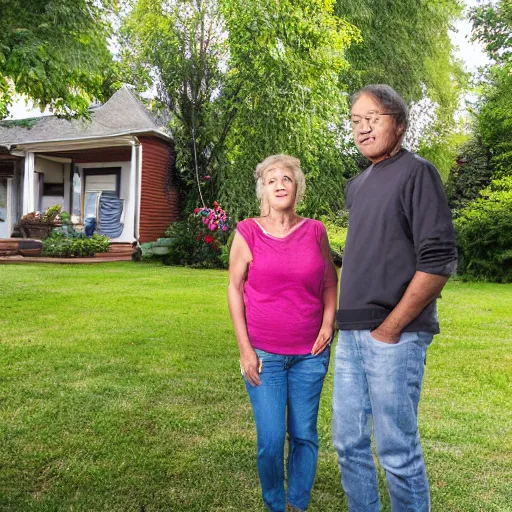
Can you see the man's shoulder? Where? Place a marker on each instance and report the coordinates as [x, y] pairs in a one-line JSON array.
[[358, 177], [415, 162]]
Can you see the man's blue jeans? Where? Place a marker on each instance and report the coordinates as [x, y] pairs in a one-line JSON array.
[[287, 400], [378, 384]]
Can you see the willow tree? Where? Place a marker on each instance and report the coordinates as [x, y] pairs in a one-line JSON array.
[[54, 51], [285, 62], [406, 44], [243, 80]]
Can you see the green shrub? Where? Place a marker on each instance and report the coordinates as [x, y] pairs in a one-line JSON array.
[[484, 234], [194, 245], [337, 236], [63, 245]]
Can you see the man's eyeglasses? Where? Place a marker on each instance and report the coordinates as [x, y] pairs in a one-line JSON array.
[[372, 118]]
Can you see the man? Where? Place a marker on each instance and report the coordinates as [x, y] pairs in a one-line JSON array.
[[399, 253]]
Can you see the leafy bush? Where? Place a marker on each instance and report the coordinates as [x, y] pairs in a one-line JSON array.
[[199, 241], [484, 234], [471, 173], [65, 245]]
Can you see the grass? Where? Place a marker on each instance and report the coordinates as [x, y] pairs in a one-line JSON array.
[[120, 391]]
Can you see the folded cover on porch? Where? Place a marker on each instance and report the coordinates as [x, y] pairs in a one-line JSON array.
[[111, 209]]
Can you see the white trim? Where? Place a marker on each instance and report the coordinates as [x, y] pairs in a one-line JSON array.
[[57, 159], [120, 139], [28, 184], [67, 186], [139, 192], [10, 206], [130, 209]]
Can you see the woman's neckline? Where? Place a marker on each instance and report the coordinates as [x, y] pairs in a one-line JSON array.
[[265, 232]]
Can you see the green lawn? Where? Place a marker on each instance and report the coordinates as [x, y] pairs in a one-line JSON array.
[[120, 391]]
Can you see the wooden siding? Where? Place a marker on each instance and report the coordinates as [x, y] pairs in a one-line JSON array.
[[158, 207]]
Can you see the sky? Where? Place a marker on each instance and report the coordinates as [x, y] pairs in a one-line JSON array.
[[470, 53]]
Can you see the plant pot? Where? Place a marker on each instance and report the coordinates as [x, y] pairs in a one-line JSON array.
[[37, 230]]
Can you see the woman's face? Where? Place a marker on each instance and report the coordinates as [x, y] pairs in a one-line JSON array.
[[280, 188]]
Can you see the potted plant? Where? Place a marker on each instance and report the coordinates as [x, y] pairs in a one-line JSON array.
[[39, 226]]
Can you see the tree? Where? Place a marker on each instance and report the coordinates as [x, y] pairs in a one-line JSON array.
[[286, 59], [406, 44], [492, 25], [54, 51], [243, 80], [471, 173], [484, 236], [178, 49]]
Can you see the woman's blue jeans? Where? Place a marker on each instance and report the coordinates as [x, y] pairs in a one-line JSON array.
[[378, 384], [287, 400]]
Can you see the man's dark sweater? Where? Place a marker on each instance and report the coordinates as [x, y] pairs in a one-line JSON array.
[[399, 223]]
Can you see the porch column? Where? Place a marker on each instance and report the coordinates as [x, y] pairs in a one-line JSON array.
[[10, 206], [129, 217], [28, 184], [139, 188]]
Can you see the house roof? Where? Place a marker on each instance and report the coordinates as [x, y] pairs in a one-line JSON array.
[[122, 114]]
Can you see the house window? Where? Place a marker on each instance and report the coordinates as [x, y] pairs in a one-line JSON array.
[[53, 189]]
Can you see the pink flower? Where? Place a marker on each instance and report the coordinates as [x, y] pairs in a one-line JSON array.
[[206, 178], [208, 239]]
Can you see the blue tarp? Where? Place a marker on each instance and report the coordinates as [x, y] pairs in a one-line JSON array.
[[111, 209]]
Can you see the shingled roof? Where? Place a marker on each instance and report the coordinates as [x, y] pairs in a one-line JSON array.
[[122, 114]]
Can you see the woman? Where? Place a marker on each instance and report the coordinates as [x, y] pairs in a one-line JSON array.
[[282, 300]]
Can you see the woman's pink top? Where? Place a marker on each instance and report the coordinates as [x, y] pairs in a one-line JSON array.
[[283, 293]]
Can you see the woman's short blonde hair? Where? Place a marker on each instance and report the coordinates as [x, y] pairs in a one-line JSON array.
[[291, 163]]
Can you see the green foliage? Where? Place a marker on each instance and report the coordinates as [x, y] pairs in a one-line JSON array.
[[55, 52], [337, 236], [484, 234], [471, 173], [52, 213], [286, 60], [179, 49], [193, 244], [406, 44], [492, 26], [244, 80], [64, 245], [494, 122]]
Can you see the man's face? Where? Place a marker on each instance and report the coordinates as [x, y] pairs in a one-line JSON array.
[[375, 134]]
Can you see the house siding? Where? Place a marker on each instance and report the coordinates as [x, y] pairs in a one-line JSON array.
[[158, 207]]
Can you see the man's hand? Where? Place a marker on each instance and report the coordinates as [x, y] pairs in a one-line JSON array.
[[250, 367], [423, 289], [322, 340], [386, 335]]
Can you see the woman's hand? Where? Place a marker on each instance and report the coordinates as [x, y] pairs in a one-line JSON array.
[[323, 339], [250, 366]]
